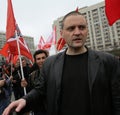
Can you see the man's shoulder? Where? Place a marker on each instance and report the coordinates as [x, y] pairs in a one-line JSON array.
[[54, 59], [104, 56], [101, 53], [55, 56]]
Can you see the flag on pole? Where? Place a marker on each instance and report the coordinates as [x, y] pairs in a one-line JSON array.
[[13, 35], [11, 22], [41, 43], [15, 39], [51, 40], [112, 9], [13, 47], [60, 44], [7, 54]]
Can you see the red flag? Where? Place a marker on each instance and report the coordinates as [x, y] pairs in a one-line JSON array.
[[51, 40], [13, 35], [23, 47], [6, 53], [10, 28], [5, 50], [9, 57], [41, 43], [112, 9], [61, 42], [14, 59]]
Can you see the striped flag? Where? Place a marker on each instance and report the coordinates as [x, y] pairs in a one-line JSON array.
[[13, 34]]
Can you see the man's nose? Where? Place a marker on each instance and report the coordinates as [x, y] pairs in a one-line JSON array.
[[77, 31]]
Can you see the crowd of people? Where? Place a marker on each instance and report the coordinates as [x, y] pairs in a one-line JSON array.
[[11, 80], [76, 81]]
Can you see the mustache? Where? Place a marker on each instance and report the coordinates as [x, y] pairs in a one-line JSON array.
[[77, 38]]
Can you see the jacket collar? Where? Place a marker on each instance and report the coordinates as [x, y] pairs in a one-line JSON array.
[[93, 67]]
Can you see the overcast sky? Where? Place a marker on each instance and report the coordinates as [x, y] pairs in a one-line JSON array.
[[35, 17]]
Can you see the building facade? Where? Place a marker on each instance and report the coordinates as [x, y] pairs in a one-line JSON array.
[[2, 39], [101, 36]]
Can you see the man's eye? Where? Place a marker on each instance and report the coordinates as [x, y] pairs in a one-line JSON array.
[[38, 58], [82, 27], [71, 28], [43, 57]]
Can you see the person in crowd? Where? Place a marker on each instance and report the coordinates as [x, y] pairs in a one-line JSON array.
[[5, 88], [77, 81], [18, 83], [26, 70], [39, 58], [2, 95]]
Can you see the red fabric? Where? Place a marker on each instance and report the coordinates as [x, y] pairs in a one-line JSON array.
[[13, 35], [9, 58], [51, 40], [41, 43], [15, 58], [60, 44], [5, 50], [112, 9], [13, 47], [6, 53], [10, 28]]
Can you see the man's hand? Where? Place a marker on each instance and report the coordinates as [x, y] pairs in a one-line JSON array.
[[15, 106], [24, 83], [2, 82]]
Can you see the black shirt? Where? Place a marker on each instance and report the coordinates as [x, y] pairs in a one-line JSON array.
[[75, 95]]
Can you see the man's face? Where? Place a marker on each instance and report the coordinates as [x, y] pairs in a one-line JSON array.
[[24, 63], [17, 64], [75, 31], [40, 58]]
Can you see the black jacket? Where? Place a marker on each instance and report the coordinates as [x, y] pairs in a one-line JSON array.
[[103, 77]]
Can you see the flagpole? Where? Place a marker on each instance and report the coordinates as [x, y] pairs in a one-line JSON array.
[[19, 54], [10, 29], [11, 64]]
